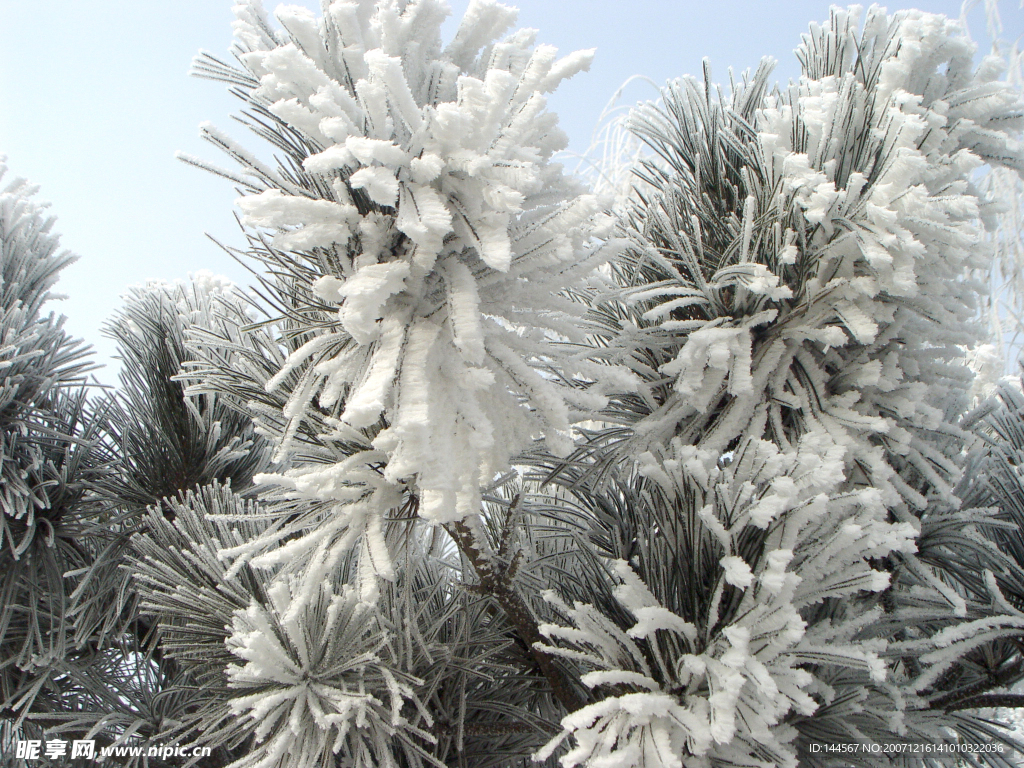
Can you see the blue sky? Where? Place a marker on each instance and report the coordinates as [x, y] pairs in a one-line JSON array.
[[95, 100]]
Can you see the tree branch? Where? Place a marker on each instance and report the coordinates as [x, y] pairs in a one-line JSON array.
[[954, 699], [495, 584], [1010, 700]]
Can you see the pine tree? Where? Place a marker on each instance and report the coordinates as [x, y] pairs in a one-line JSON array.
[[80, 656], [167, 448], [489, 471], [769, 524], [799, 294], [50, 459]]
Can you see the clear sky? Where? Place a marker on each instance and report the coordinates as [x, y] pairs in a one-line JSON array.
[[95, 99]]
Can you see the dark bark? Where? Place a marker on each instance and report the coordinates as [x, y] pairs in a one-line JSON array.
[[496, 584]]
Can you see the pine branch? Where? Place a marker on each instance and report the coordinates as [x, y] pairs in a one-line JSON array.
[[1009, 700], [483, 729], [962, 698], [495, 583]]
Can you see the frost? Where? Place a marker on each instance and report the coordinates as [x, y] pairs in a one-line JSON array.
[[302, 701], [433, 225], [737, 572], [818, 545], [366, 293], [380, 184]]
